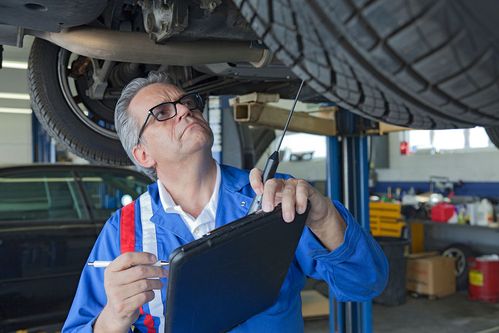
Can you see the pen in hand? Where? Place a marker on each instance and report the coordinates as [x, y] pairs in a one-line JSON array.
[[103, 264]]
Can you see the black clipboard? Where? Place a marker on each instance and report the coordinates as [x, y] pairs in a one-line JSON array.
[[231, 274]]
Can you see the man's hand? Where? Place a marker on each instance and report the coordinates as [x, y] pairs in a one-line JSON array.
[[323, 219], [129, 282]]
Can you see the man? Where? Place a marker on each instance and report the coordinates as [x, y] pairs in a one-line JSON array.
[[163, 131]]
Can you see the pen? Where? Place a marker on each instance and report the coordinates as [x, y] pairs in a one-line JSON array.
[[101, 263]]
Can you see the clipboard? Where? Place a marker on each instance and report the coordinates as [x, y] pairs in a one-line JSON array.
[[231, 274]]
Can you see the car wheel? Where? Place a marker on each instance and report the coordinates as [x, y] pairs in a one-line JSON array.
[[83, 125], [461, 253], [421, 64]]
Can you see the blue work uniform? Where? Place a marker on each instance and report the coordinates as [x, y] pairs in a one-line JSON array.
[[355, 271]]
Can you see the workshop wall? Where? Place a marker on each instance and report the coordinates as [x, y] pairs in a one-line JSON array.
[[15, 112], [15, 141], [468, 167], [477, 170]]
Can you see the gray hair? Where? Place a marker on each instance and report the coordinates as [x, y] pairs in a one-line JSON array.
[[126, 126]]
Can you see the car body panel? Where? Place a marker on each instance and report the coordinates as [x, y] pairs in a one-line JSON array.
[[52, 15]]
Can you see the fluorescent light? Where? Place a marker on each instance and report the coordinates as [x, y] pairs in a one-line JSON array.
[[14, 64], [15, 110], [14, 96]]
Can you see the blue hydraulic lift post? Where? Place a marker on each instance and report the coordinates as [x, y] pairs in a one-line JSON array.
[[348, 311], [360, 314], [333, 178], [363, 215], [348, 179], [333, 169], [351, 200]]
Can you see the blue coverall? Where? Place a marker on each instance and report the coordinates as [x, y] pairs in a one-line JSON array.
[[356, 271]]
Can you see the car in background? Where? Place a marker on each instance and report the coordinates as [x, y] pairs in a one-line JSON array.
[[50, 216]]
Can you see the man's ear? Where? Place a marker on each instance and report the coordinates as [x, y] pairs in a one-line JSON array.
[[142, 156]]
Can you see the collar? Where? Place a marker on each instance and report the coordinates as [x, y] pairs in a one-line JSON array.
[[169, 204], [234, 179], [234, 192]]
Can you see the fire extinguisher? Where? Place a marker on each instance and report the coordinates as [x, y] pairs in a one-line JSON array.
[[404, 148]]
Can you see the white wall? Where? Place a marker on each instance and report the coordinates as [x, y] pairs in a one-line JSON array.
[[15, 122], [474, 167], [308, 170], [470, 166], [15, 138]]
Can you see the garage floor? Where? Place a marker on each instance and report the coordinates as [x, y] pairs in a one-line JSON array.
[[454, 314], [451, 314]]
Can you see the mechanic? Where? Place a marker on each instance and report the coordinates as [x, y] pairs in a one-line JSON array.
[[164, 132]]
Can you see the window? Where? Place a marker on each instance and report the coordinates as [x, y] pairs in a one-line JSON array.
[[447, 140], [301, 146], [420, 139], [109, 191], [39, 195], [479, 138]]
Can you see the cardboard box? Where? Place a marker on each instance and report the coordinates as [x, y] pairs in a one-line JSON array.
[[314, 305], [431, 274]]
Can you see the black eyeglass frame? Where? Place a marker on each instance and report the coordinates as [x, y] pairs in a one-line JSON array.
[[199, 106]]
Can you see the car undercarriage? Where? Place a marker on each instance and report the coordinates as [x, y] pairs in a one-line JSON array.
[[407, 63]]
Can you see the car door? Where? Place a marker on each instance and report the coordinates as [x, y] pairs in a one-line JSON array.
[[108, 189], [46, 235]]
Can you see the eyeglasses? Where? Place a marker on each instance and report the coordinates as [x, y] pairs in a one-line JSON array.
[[168, 110]]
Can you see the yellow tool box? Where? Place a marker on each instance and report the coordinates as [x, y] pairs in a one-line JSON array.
[[386, 219]]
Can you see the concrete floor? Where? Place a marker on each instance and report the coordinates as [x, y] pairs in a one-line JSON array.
[[453, 314]]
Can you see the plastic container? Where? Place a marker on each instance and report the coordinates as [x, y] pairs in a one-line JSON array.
[[395, 291], [485, 213], [443, 212], [472, 212], [484, 279]]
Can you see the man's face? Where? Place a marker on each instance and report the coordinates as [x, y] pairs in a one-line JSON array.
[[174, 139]]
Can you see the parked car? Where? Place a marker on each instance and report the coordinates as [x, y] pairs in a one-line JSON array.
[[422, 64], [50, 216]]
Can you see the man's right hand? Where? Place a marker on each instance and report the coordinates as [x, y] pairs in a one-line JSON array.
[[129, 282]]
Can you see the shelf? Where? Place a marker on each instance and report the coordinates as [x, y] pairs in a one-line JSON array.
[[467, 226]]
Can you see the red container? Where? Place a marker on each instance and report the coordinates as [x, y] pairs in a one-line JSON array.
[[442, 212], [483, 279]]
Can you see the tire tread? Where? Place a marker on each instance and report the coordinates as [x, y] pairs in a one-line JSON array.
[[401, 62]]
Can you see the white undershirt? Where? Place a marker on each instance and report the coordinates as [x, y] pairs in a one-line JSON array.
[[205, 222]]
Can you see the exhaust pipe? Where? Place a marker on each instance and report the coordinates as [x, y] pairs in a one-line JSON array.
[[136, 47]]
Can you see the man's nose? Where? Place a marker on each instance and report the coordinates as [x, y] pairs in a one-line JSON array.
[[182, 111]]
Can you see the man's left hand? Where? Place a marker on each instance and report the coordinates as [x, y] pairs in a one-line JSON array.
[[323, 219]]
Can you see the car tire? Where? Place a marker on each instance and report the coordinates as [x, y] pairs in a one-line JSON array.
[[421, 64], [462, 253], [493, 133], [59, 119]]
